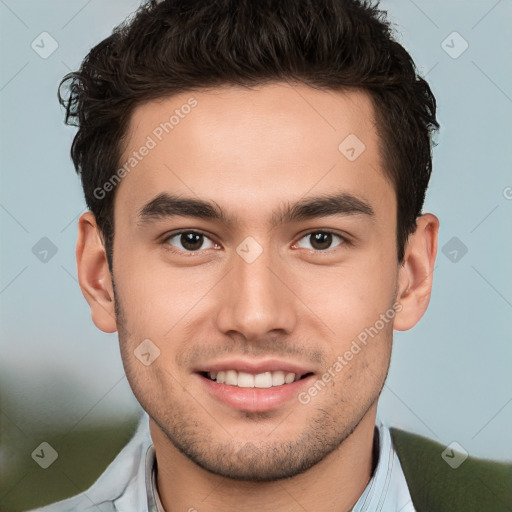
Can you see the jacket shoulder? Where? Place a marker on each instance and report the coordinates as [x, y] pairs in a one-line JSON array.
[[440, 479]]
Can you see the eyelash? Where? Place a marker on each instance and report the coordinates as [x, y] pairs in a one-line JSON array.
[[344, 241]]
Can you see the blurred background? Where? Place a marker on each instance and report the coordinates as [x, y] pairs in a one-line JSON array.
[[61, 379]]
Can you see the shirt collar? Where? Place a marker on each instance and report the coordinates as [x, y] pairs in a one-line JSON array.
[[387, 488], [154, 503]]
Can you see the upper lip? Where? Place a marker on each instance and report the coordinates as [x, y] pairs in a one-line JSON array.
[[255, 367]]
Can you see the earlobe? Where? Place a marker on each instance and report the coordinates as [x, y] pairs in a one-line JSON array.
[[93, 274], [416, 273]]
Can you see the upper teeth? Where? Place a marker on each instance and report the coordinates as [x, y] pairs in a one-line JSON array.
[[248, 380]]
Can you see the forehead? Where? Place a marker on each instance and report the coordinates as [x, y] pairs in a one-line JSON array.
[[250, 148]]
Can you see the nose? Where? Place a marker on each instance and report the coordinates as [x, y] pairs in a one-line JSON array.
[[256, 299]]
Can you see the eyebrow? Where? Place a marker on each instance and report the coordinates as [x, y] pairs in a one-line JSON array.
[[166, 206]]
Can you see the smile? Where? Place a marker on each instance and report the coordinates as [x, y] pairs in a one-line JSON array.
[[248, 380]]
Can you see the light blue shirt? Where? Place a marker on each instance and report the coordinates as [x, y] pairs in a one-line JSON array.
[[128, 484]]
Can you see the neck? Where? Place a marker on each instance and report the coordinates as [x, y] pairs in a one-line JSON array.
[[335, 483]]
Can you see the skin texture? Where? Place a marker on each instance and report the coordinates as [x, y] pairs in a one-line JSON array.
[[252, 152]]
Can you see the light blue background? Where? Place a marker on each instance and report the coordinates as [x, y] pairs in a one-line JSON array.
[[450, 377]]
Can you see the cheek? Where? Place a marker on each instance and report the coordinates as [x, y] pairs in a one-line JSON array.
[[152, 385], [349, 298], [360, 366], [156, 297]]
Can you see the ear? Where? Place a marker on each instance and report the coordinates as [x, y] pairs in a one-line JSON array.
[[416, 273], [93, 274]]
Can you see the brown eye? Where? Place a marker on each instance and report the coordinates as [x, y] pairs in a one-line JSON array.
[[190, 241], [319, 240]]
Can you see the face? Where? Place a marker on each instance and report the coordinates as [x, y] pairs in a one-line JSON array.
[[276, 272]]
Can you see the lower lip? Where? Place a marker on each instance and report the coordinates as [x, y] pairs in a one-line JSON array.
[[255, 399]]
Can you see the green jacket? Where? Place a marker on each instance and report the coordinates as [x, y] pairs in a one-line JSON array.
[[477, 485]]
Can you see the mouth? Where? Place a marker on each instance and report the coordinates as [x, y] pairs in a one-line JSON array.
[[255, 387], [263, 380]]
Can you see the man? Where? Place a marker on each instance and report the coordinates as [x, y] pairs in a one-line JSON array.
[[255, 174]]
